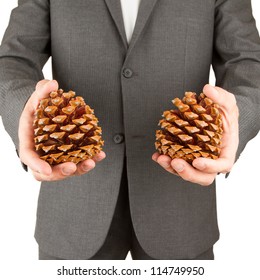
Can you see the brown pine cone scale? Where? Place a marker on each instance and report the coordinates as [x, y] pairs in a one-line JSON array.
[[193, 130], [66, 129]]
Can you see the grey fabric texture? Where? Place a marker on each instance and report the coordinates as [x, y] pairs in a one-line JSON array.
[[173, 45]]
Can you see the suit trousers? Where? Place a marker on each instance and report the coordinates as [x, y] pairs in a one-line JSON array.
[[121, 237]]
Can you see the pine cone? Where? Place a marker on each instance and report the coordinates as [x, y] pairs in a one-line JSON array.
[[192, 131], [66, 129]]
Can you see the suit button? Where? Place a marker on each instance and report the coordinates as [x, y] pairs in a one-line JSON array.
[[118, 138], [127, 73]]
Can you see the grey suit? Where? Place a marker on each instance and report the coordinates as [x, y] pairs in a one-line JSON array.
[[173, 45]]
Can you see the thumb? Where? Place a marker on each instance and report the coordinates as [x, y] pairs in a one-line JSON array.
[[223, 98], [41, 83], [42, 90], [218, 95]]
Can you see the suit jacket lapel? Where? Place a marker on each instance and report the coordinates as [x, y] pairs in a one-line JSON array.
[[114, 7], [145, 10]]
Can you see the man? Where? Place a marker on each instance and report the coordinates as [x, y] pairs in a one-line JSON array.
[[129, 79]]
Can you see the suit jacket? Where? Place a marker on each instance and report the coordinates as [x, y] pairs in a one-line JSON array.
[[173, 46]]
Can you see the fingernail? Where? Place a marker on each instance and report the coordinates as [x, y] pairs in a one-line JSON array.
[[85, 168], [178, 167], [67, 171]]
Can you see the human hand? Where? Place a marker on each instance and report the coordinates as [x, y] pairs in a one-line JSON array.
[[203, 171], [41, 170]]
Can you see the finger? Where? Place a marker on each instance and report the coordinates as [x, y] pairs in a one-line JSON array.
[[43, 88], [26, 120], [26, 142], [220, 96], [32, 160], [220, 165], [189, 173], [89, 164], [165, 163], [85, 166], [155, 156], [26, 147], [59, 172], [41, 83], [99, 157], [26, 133]]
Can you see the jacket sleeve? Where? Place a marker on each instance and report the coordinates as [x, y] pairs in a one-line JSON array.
[[236, 62], [24, 50]]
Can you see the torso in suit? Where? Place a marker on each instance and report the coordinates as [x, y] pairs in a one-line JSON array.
[[171, 50]]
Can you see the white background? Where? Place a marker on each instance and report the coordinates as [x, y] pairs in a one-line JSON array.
[[238, 196]]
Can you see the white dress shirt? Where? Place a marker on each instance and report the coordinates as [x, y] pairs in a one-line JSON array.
[[129, 10]]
